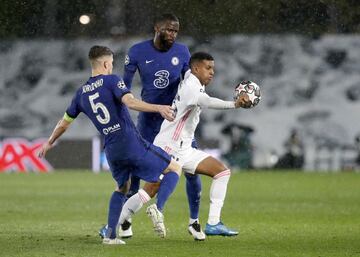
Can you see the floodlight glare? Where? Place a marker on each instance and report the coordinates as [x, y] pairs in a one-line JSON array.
[[84, 19]]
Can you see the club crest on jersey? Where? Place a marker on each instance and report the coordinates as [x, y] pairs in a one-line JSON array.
[[121, 84], [127, 59], [175, 61]]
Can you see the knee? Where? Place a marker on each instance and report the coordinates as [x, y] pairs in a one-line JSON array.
[[151, 188], [174, 167]]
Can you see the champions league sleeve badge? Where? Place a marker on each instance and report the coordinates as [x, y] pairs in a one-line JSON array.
[[127, 59], [121, 84]]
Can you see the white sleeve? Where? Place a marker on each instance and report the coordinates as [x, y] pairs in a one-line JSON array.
[[206, 101]]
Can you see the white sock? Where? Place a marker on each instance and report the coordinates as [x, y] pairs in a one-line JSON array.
[[133, 205], [217, 196], [191, 221]]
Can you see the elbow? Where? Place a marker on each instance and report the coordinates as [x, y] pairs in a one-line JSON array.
[[129, 101], [131, 104]]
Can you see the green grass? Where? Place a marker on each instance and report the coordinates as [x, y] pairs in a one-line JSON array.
[[278, 214]]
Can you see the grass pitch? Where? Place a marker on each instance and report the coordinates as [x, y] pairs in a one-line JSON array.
[[278, 214]]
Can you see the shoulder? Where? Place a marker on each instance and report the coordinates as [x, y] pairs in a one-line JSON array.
[[192, 79], [112, 77], [114, 81], [79, 91], [140, 45], [77, 95], [190, 83], [181, 47]]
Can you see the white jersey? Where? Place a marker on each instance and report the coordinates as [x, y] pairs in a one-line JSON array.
[[179, 133], [176, 137], [190, 98]]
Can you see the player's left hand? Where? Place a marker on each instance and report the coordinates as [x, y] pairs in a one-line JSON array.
[[243, 101], [44, 149], [167, 112]]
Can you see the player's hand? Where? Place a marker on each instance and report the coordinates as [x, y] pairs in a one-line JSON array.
[[243, 101], [44, 149], [167, 112]]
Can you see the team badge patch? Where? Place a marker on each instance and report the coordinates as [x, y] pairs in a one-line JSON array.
[[127, 60], [175, 61], [121, 84]]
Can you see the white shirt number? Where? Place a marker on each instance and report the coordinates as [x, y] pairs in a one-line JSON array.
[[99, 106]]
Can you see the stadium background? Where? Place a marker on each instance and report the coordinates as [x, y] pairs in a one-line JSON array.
[[304, 54]]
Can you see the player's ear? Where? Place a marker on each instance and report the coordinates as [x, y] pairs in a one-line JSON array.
[[195, 68], [106, 64], [156, 28]]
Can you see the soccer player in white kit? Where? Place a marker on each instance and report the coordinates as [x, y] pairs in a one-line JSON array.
[[176, 138]]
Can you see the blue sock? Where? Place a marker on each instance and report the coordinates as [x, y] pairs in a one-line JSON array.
[[167, 186], [193, 191], [115, 206], [134, 186]]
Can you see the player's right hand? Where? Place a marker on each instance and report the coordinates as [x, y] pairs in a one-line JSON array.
[[243, 101], [44, 149], [167, 112]]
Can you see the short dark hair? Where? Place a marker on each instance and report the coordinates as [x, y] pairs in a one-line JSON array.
[[200, 56], [99, 51], [166, 17]]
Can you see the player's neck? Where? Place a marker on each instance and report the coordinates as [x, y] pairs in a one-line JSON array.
[[95, 73], [156, 44], [159, 46]]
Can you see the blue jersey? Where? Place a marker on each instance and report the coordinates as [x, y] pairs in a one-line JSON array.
[[160, 74], [100, 99]]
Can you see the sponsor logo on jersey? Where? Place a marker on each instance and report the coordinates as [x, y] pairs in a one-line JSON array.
[[111, 129], [121, 84], [162, 79], [148, 61], [127, 59], [175, 61]]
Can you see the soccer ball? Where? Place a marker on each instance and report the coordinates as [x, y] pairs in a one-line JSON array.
[[251, 89]]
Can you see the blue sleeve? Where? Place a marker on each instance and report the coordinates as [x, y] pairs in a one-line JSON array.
[[130, 67], [73, 110], [186, 63], [118, 87]]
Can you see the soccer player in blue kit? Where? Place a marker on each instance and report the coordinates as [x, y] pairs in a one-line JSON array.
[[103, 99], [161, 62]]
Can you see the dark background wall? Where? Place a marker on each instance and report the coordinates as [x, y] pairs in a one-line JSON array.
[[201, 18]]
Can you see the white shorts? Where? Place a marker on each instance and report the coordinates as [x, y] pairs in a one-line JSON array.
[[189, 159]]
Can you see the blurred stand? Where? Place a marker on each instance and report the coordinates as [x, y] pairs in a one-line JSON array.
[[357, 147], [294, 153], [240, 154], [350, 158]]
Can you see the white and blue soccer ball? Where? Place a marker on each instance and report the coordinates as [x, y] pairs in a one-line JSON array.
[[251, 89]]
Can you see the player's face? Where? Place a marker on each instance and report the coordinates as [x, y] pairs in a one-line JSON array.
[[166, 33], [204, 71]]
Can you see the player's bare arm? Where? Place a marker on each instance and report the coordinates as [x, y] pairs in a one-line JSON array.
[[135, 104], [60, 128]]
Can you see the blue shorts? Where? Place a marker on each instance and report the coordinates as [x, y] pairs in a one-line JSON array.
[[148, 166]]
